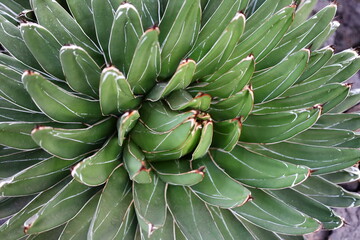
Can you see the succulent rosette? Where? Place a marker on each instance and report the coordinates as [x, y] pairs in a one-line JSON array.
[[169, 119]]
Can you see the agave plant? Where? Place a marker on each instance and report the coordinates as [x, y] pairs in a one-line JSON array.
[[169, 119]]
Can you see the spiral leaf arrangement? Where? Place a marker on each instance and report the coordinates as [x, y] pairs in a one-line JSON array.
[[169, 119]]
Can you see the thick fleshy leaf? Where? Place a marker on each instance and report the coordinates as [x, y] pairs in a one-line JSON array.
[[51, 234], [114, 204], [237, 105], [58, 103], [259, 171], [150, 204], [96, 169], [178, 172], [14, 162], [36, 178], [204, 141], [77, 227], [180, 80], [179, 28], [276, 127], [300, 37], [323, 137], [320, 159], [350, 174], [13, 228], [83, 14], [328, 193], [65, 204], [191, 214], [217, 188], [10, 206], [223, 84], [116, 95], [12, 89], [272, 82], [221, 50], [135, 164], [150, 14], [17, 135], [11, 112], [145, 65], [44, 47], [126, 31], [347, 121], [11, 40], [274, 215], [181, 100], [80, 70], [226, 134], [63, 26], [125, 123], [322, 95], [76, 141], [215, 18], [310, 207]]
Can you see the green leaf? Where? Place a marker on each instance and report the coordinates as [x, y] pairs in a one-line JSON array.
[[83, 14], [125, 34], [51, 234], [215, 18], [145, 65], [319, 159], [17, 135], [180, 80], [205, 140], [44, 47], [310, 207], [36, 178], [179, 26], [115, 92], [191, 214], [14, 162], [217, 188], [11, 112], [347, 121], [350, 174], [322, 95], [125, 124], [65, 204], [274, 215], [77, 227], [228, 225], [272, 82], [150, 14], [223, 84], [10, 206], [328, 193], [351, 100], [135, 164], [76, 141], [58, 104], [14, 227], [178, 172], [64, 28], [323, 137], [81, 71], [12, 89], [302, 13], [276, 127], [300, 37], [226, 134], [259, 171], [96, 169], [181, 100], [236, 106], [150, 204], [221, 50], [113, 207], [12, 41]]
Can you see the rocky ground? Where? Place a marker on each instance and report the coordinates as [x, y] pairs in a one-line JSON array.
[[347, 36]]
